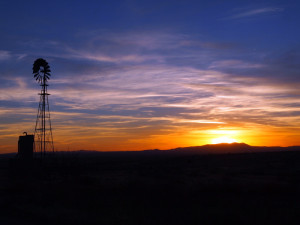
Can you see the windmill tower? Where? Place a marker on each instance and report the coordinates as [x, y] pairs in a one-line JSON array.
[[43, 130]]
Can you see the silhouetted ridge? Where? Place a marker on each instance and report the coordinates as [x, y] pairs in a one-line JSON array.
[[240, 147], [222, 148], [225, 148]]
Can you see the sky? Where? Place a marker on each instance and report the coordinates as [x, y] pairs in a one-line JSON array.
[[135, 74]]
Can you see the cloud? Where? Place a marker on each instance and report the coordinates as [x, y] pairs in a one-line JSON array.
[[256, 12], [140, 88], [131, 47], [7, 55], [236, 64], [4, 55], [221, 98], [17, 90]]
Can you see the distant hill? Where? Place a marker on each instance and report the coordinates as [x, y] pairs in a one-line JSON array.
[[225, 148]]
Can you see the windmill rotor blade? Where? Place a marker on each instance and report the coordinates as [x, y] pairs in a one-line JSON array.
[[41, 65]]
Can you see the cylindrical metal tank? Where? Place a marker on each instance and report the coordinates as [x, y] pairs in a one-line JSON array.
[[25, 146]]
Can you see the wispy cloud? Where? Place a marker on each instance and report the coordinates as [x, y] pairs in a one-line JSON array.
[[4, 55], [131, 47], [256, 12], [234, 64], [152, 90]]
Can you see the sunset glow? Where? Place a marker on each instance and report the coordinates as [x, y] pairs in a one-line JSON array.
[[220, 140], [145, 76]]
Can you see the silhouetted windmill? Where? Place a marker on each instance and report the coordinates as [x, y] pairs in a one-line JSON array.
[[43, 130]]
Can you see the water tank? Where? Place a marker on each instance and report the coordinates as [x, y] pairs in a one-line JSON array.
[[25, 146]]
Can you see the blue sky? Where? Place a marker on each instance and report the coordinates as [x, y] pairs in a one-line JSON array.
[[152, 74]]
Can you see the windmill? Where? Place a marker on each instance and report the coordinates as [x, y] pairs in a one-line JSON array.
[[43, 130]]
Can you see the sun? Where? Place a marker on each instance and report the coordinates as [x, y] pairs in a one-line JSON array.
[[223, 139]]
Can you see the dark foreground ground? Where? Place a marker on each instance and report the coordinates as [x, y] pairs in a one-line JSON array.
[[150, 188]]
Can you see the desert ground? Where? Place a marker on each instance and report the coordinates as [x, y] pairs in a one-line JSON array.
[[151, 187]]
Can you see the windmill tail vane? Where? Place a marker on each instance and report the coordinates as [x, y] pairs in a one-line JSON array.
[[43, 129]]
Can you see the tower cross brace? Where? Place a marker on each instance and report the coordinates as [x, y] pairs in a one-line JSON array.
[[43, 129]]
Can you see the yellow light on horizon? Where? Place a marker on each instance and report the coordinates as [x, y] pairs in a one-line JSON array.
[[223, 139]]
